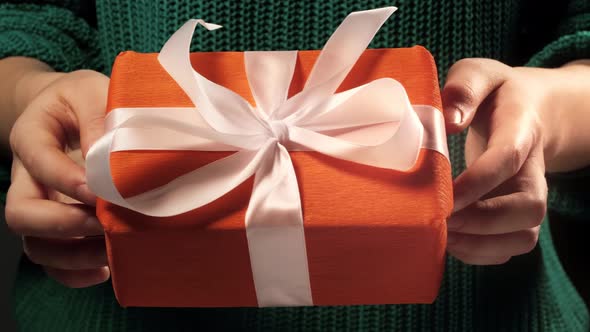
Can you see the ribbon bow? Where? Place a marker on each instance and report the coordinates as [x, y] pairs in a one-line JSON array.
[[223, 121]]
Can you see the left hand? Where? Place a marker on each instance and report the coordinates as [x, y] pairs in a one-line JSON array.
[[48, 202], [501, 199]]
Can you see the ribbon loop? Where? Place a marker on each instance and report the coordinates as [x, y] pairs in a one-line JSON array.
[[269, 76], [280, 131]]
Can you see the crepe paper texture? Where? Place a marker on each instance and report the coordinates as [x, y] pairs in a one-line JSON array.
[[373, 235]]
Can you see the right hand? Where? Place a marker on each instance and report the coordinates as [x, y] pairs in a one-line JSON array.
[[48, 202]]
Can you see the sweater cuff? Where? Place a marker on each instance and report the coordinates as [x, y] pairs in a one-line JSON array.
[[567, 48], [569, 193], [50, 34]]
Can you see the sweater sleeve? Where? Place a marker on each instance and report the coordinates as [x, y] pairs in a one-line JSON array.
[[52, 33], [569, 193]]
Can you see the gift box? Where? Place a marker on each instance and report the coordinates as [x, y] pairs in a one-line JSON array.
[[368, 234]]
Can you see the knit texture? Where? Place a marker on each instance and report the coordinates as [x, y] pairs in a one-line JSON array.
[[529, 293]]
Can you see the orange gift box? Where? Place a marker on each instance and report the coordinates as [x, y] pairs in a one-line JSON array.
[[372, 235]]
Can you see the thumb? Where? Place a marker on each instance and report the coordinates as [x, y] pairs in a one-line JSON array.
[[468, 83], [88, 100]]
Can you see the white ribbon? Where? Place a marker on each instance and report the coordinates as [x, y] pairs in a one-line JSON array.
[[373, 124]]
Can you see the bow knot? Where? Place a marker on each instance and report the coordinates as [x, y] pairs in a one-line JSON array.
[[280, 131]]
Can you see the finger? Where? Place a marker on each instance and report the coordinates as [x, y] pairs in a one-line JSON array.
[[44, 218], [38, 139], [468, 83], [510, 244], [68, 254], [508, 148], [480, 260], [79, 278], [499, 215], [529, 179], [29, 213], [88, 101], [517, 204]]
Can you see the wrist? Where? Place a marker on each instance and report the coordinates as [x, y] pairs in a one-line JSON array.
[[565, 115], [30, 83], [551, 110], [22, 79]]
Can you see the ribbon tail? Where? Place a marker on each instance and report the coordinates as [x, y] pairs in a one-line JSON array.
[[336, 59], [346, 45], [222, 109], [276, 240]]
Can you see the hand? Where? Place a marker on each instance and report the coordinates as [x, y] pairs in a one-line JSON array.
[[500, 200], [48, 201]]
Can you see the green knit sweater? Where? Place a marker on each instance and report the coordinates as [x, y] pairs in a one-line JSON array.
[[529, 293]]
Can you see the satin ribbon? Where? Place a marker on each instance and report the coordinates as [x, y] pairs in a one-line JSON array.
[[373, 124]]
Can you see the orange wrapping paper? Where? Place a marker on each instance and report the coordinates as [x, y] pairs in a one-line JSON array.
[[373, 236]]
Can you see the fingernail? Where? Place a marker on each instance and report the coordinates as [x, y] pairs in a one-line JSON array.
[[452, 238], [456, 117], [453, 115]]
